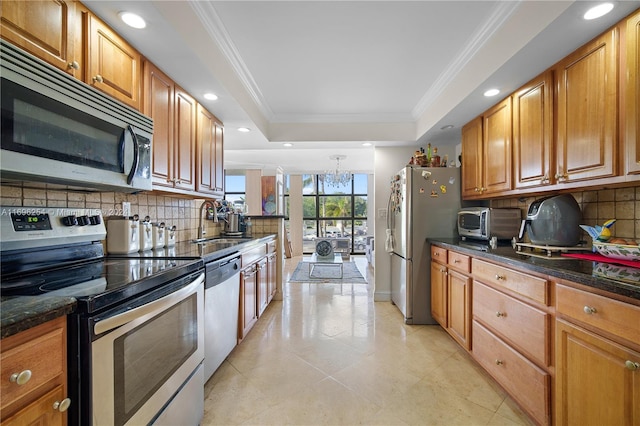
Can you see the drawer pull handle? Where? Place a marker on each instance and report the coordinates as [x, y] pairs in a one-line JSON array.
[[98, 79], [63, 405], [74, 65], [21, 378], [499, 362], [456, 261], [589, 310], [500, 277], [632, 365], [501, 314]]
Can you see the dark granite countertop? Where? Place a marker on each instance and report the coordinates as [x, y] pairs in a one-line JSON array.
[[587, 273], [23, 312]]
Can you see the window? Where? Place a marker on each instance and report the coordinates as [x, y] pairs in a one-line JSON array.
[[235, 189], [334, 211]]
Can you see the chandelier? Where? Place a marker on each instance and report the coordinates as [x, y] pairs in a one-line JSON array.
[[337, 178]]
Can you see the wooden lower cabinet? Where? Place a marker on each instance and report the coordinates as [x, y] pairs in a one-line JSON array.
[[33, 379], [248, 300], [272, 275], [40, 412], [263, 287], [597, 360], [528, 384], [459, 308], [597, 380], [439, 293]]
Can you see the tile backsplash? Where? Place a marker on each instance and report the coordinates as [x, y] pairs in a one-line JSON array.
[[622, 204], [181, 212]]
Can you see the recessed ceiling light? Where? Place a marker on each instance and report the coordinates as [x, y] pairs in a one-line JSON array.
[[598, 11], [210, 96], [132, 20], [367, 144], [287, 144], [491, 92], [244, 129], [448, 126]]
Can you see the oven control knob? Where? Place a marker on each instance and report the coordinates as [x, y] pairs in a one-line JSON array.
[[95, 220], [70, 220], [83, 220]]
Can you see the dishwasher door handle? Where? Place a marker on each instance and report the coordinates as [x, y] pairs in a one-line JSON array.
[[157, 305]]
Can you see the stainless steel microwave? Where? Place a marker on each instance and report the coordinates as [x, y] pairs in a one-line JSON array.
[[483, 223], [57, 129]]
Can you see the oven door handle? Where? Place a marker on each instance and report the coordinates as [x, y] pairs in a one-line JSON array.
[[157, 305]]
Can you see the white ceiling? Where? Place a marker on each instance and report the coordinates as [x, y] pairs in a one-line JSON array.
[[329, 75]]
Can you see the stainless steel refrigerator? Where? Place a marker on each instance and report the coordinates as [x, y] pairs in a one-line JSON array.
[[423, 204]]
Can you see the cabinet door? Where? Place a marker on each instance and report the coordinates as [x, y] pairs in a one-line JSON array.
[[533, 132], [272, 274], [42, 28], [218, 163], [587, 111], [113, 66], [597, 380], [208, 141], [263, 286], [496, 170], [472, 159], [158, 104], [248, 300], [439, 293], [41, 412], [185, 140], [631, 79], [459, 308]]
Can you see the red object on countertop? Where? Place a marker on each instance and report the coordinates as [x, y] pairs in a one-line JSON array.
[[600, 258]]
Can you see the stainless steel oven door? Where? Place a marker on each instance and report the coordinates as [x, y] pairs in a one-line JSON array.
[[145, 355]]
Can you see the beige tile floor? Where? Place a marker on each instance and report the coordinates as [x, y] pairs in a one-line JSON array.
[[328, 355]]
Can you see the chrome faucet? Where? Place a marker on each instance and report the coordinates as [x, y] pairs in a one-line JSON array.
[[211, 204]]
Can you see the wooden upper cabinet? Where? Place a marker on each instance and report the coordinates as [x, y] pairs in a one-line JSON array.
[[113, 65], [174, 134], [185, 140], [533, 133], [45, 29], [496, 131], [631, 81], [587, 112], [472, 158], [158, 104], [210, 140]]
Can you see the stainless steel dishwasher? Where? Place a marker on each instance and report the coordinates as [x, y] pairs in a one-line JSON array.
[[221, 304]]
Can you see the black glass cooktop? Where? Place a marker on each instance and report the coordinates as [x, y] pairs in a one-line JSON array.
[[102, 281]]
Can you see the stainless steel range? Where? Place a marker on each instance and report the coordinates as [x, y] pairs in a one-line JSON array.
[[135, 344]]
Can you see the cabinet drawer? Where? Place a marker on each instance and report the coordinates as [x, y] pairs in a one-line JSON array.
[[40, 411], [618, 318], [528, 286], [459, 261], [253, 254], [526, 383], [524, 326], [438, 254], [41, 350]]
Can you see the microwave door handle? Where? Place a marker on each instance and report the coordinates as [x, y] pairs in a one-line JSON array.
[[136, 155]]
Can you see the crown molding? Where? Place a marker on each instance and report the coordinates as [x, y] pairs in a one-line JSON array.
[[500, 14]]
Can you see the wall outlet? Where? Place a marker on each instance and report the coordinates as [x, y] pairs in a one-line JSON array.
[[126, 208], [382, 213]]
